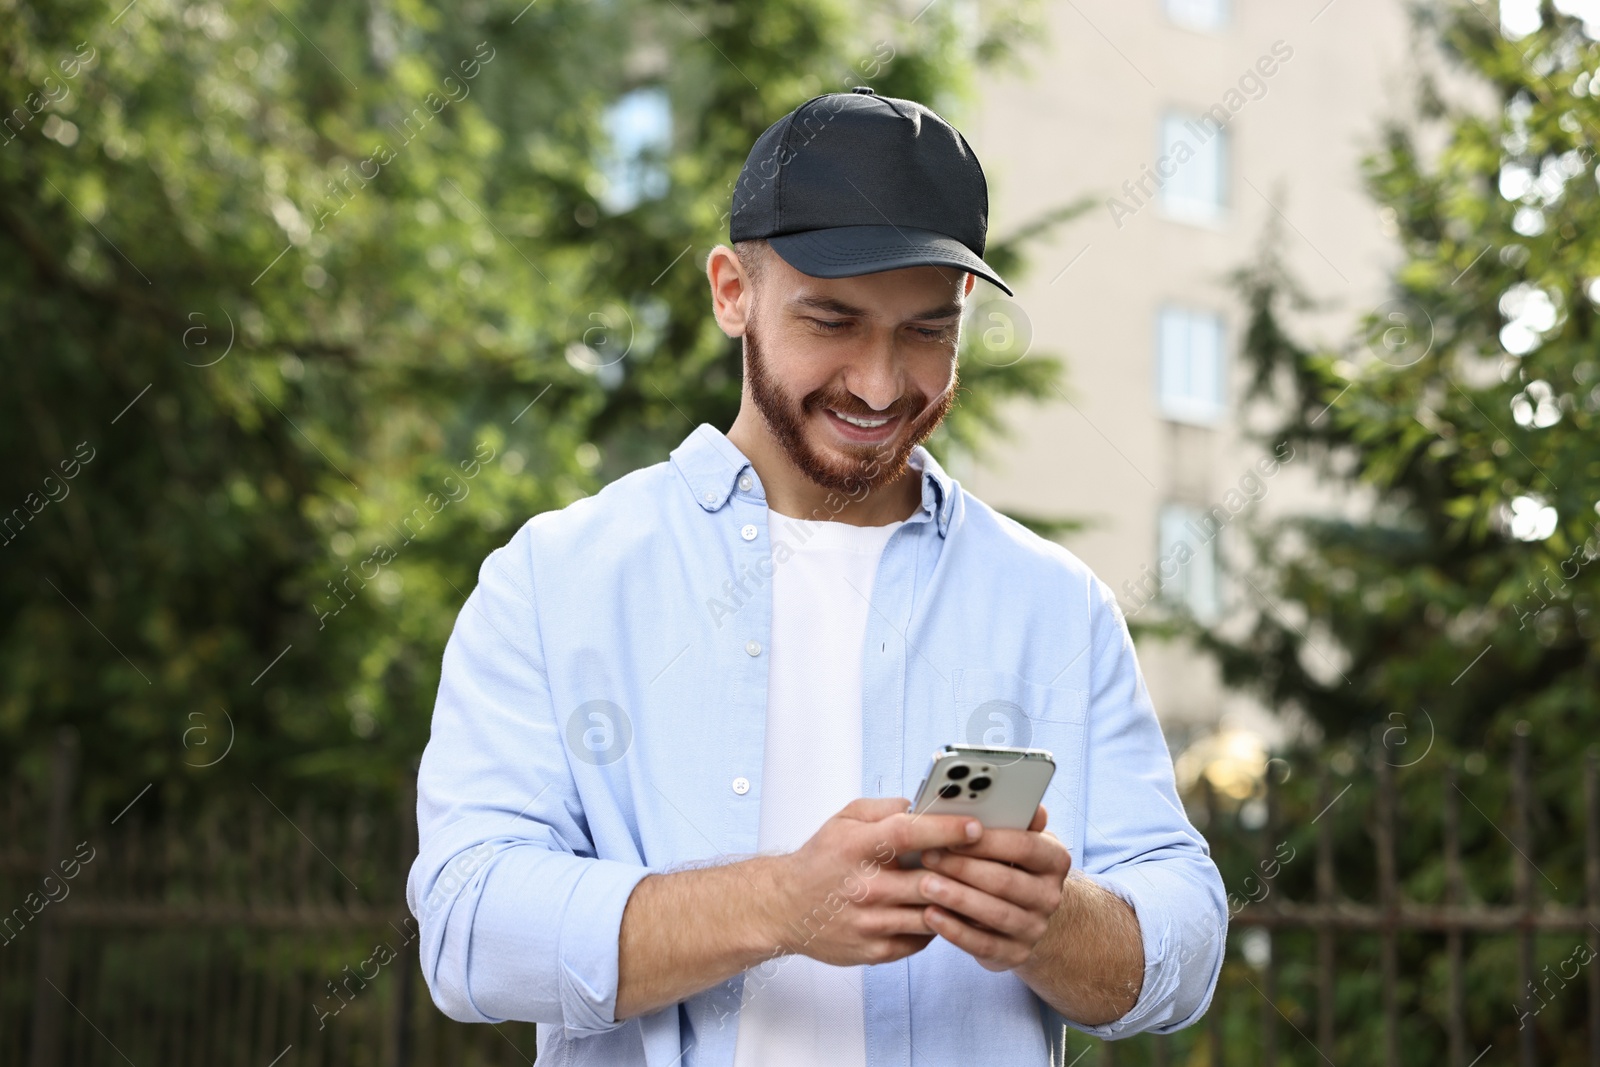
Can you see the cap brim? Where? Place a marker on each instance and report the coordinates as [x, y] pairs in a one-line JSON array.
[[848, 251]]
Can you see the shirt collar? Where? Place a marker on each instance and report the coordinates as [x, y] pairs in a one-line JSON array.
[[711, 465]]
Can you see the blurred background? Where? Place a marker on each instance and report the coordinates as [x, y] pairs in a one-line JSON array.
[[305, 308]]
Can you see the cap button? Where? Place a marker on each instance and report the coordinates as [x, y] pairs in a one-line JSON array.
[[865, 90]]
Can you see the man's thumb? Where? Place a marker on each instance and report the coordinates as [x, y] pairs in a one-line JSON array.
[[872, 809]]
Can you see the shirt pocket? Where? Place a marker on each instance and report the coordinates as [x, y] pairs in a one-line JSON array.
[[1002, 708]]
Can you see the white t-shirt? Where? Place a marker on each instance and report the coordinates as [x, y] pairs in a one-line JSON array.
[[797, 1012]]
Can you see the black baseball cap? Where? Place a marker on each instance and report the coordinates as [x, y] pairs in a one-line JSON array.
[[856, 183]]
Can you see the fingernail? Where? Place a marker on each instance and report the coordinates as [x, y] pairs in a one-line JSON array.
[[973, 830]]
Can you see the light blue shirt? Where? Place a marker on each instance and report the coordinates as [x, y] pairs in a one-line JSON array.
[[601, 715]]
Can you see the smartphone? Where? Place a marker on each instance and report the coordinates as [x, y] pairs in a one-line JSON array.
[[1000, 787]]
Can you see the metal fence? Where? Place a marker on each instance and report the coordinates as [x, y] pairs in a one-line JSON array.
[[1455, 916], [244, 938], [1328, 943], [246, 935]]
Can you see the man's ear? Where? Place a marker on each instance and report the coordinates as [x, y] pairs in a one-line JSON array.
[[972, 279], [731, 295]]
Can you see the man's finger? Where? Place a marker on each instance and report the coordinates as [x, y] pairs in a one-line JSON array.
[[914, 833], [1028, 849], [999, 880], [1001, 914], [1041, 819], [993, 951], [872, 809], [901, 888]]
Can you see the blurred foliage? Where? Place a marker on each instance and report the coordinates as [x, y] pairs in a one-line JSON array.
[[1456, 597], [305, 308], [1466, 414]]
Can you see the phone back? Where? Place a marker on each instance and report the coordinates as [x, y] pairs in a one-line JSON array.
[[1000, 787]]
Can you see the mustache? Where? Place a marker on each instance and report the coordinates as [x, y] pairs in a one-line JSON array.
[[908, 406]]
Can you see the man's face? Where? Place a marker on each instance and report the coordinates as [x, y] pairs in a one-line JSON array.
[[878, 348]]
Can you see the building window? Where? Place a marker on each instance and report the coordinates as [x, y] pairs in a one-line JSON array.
[[1191, 371], [639, 130], [1198, 14], [1193, 166], [1187, 565]]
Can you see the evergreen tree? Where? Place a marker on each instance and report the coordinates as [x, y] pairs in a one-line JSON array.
[[304, 308], [1461, 608]]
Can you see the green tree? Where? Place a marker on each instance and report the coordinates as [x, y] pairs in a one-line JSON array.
[[304, 308], [1464, 601]]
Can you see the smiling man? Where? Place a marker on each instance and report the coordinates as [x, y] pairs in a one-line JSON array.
[[679, 722]]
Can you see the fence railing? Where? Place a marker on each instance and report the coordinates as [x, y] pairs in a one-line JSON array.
[[1431, 1014], [265, 928], [271, 926]]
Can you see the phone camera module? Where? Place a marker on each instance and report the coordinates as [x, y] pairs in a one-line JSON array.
[[950, 792], [979, 784], [958, 772]]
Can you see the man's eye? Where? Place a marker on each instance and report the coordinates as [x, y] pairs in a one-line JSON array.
[[831, 324], [936, 334]]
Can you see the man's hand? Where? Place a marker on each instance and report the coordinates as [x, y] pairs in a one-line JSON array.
[[994, 898], [840, 898], [844, 900]]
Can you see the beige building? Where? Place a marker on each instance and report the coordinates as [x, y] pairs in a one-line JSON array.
[[1194, 124]]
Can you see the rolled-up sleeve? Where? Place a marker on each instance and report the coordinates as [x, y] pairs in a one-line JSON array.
[[518, 918], [1140, 844]]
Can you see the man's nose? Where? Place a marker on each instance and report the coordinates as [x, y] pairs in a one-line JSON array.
[[876, 378]]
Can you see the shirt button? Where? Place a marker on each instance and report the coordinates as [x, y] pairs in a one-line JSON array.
[[753, 647], [711, 498], [749, 532], [745, 483], [741, 785]]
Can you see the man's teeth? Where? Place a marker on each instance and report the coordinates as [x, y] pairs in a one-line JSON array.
[[865, 424]]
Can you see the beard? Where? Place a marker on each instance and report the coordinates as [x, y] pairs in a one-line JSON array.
[[866, 466]]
